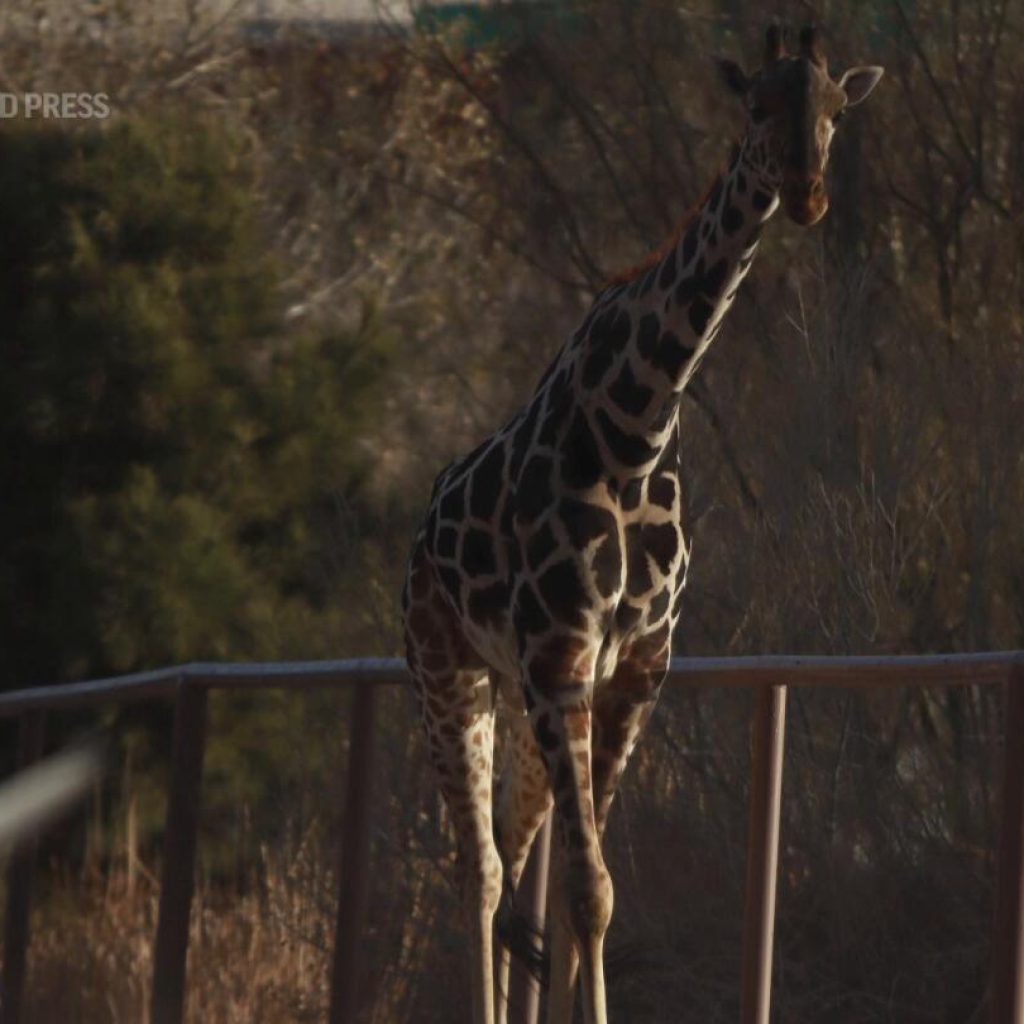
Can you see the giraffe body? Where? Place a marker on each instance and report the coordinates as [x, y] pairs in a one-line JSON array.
[[551, 566]]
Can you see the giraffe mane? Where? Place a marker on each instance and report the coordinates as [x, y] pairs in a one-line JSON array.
[[653, 258]]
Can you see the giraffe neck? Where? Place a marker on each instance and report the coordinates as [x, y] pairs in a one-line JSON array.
[[644, 337]]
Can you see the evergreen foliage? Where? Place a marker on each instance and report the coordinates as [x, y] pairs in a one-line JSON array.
[[167, 448]]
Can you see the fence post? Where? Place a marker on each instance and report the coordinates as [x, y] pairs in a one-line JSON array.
[[1008, 933], [762, 853], [354, 859], [177, 880], [19, 886], [524, 994]]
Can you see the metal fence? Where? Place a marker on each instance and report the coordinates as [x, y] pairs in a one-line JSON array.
[[768, 677]]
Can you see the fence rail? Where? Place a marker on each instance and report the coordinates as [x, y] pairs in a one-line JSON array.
[[769, 677]]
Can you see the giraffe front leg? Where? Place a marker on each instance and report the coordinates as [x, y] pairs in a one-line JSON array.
[[561, 719], [621, 710], [564, 961]]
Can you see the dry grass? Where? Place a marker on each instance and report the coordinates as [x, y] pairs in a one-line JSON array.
[[884, 902], [260, 956]]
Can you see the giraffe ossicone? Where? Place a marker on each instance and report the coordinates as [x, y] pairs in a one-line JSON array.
[[552, 559]]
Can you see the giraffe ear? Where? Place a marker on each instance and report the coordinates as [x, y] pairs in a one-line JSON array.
[[734, 76], [857, 83]]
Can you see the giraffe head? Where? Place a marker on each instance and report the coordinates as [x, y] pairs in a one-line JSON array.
[[793, 106]]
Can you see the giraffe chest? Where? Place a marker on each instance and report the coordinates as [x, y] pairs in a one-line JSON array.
[[529, 560], [586, 573], [655, 559]]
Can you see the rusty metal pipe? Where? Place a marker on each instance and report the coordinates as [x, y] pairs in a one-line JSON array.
[[19, 886], [178, 876], [354, 859], [524, 994], [1008, 933], [762, 853]]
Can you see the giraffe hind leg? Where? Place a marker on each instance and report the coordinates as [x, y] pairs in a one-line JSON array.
[[524, 798], [461, 745], [457, 709]]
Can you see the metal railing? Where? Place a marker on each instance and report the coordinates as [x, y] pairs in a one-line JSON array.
[[768, 677]]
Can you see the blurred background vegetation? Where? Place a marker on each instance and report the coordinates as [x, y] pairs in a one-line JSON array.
[[309, 259]]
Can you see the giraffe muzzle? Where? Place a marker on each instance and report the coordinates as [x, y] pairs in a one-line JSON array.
[[804, 200]]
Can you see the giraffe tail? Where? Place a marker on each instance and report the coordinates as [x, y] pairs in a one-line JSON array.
[[522, 936]]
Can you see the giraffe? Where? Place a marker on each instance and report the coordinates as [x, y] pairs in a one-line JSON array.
[[551, 563]]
